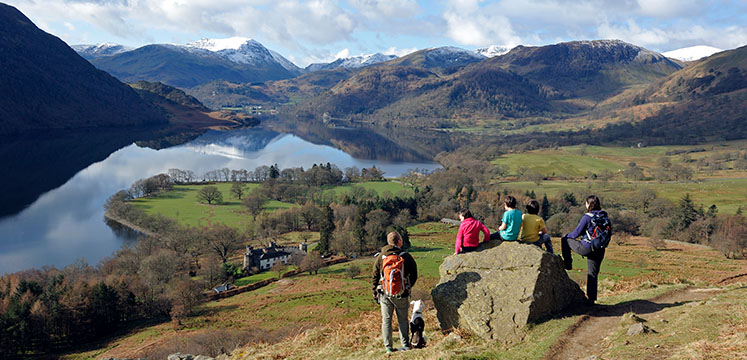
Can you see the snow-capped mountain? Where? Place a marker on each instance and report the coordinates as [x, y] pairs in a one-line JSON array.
[[493, 50], [692, 53], [353, 62], [451, 55], [244, 50], [94, 51]]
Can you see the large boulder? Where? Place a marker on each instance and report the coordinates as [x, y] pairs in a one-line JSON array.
[[495, 292]]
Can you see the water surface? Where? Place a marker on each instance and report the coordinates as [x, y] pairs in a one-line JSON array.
[[67, 223]]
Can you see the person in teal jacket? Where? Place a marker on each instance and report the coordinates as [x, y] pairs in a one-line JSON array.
[[511, 221]]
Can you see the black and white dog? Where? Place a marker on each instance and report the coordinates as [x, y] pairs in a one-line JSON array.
[[417, 340]]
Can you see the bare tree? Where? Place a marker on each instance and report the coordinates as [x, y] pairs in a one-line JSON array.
[[237, 190], [278, 268], [223, 240], [254, 204], [210, 194], [312, 262]]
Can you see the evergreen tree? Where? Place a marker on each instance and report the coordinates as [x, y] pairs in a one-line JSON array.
[[326, 228], [274, 171], [359, 228], [685, 215], [545, 211], [712, 211]]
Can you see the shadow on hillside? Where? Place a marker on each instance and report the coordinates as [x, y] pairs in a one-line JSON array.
[[639, 307]]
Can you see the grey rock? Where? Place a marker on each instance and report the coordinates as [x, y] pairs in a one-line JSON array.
[[495, 292], [203, 357], [451, 340], [639, 328], [177, 356]]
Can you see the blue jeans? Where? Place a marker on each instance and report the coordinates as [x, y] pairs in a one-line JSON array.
[[545, 239]]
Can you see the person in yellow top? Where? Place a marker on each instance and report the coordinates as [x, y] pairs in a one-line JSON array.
[[533, 229]]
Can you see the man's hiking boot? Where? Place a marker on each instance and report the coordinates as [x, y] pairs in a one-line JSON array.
[[390, 350], [404, 348]]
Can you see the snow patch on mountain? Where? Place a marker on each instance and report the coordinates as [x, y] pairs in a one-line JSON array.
[[353, 62], [243, 50], [692, 53], [453, 52], [493, 50], [215, 45], [99, 50]]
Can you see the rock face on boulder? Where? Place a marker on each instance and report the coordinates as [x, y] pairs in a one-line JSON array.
[[496, 291]]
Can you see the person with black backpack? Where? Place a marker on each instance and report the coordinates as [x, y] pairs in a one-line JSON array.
[[394, 274], [595, 231]]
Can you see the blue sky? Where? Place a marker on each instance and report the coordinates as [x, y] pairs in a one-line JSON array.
[[320, 30]]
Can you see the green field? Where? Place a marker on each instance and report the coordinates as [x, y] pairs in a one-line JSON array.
[[726, 194], [181, 203], [562, 164], [568, 161]]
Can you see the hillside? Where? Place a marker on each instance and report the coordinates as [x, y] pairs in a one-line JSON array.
[[706, 101], [48, 86], [185, 67], [446, 88], [294, 318], [596, 69]]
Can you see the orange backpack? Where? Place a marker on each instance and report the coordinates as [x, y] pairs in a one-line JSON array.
[[393, 274]]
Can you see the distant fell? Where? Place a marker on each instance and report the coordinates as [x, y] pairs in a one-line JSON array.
[[596, 69], [47, 86], [89, 52], [353, 62], [441, 59], [186, 67]]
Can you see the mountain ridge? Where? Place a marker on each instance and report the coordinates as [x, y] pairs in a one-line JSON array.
[[54, 88]]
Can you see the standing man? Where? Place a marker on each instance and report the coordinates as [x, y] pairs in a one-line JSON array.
[[394, 274]]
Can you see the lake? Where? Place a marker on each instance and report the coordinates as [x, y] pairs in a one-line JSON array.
[[66, 224]]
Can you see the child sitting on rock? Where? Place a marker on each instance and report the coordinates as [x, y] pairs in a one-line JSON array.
[[533, 229], [511, 221]]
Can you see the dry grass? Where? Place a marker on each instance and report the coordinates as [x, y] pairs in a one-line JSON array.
[[330, 316]]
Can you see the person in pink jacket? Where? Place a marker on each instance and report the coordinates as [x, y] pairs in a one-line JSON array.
[[468, 236]]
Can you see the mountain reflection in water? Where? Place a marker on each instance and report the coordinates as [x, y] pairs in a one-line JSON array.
[[67, 179]]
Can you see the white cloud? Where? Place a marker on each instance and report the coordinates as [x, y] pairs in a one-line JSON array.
[[376, 9], [469, 24], [668, 8], [399, 52], [676, 37], [344, 53]]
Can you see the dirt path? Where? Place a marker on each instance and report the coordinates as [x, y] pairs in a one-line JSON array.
[[582, 339]]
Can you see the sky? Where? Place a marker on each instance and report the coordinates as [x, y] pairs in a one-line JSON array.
[[322, 30]]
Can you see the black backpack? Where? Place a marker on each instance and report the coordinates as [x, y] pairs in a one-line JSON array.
[[601, 231]]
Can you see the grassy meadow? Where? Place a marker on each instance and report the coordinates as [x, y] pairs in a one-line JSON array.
[[330, 315], [181, 203], [568, 171]]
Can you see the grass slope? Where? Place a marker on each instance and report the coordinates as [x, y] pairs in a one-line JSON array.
[[332, 316]]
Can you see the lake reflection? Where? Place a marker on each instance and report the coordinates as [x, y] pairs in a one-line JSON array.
[[67, 223]]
